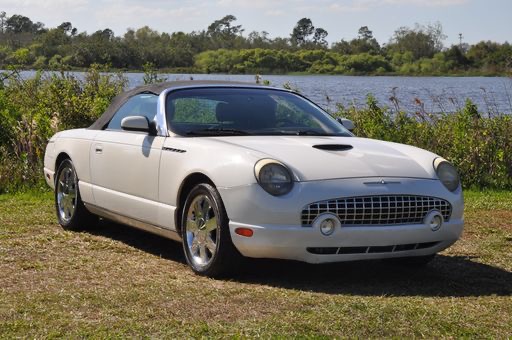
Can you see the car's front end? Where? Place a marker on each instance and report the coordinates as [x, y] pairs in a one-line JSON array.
[[319, 217], [374, 218]]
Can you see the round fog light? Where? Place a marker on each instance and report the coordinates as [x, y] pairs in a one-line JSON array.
[[327, 223], [434, 220], [327, 227]]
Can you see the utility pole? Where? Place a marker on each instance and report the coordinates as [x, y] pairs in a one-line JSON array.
[[3, 19]]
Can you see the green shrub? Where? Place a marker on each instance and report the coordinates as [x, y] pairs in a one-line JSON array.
[[479, 146], [32, 110]]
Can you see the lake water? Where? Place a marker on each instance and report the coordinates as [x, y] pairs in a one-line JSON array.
[[435, 94]]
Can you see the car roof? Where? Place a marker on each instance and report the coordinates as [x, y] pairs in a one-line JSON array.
[[158, 88]]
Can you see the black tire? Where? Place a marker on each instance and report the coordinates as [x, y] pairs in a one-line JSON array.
[[71, 212], [207, 220], [413, 261]]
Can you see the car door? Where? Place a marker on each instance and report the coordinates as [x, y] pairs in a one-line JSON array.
[[125, 164]]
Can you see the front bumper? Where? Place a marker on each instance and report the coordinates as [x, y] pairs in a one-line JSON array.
[[278, 231], [346, 243]]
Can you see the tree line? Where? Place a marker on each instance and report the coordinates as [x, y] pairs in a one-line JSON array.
[[224, 47]]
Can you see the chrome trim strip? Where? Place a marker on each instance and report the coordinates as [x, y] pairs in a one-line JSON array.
[[161, 118], [171, 234]]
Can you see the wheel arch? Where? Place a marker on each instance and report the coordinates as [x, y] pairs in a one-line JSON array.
[[58, 161], [186, 185]]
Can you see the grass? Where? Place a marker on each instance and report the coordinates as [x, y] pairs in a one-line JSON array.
[[113, 281]]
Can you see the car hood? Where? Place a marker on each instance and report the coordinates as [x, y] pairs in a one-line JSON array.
[[312, 158]]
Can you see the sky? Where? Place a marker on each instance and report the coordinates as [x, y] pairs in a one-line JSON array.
[[476, 19]]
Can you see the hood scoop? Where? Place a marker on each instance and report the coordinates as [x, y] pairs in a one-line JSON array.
[[333, 147]]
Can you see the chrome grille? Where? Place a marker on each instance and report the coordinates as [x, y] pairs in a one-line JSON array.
[[378, 210]]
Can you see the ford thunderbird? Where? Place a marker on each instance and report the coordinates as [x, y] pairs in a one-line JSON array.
[[236, 170]]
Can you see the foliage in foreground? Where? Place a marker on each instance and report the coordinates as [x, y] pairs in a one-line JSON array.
[[32, 110]]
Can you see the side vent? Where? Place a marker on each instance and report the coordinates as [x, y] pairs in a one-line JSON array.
[[333, 147], [173, 150]]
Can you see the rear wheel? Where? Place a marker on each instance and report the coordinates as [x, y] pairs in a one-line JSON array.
[[71, 212], [205, 231]]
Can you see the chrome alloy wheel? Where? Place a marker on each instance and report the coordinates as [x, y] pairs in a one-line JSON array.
[[201, 231], [67, 197]]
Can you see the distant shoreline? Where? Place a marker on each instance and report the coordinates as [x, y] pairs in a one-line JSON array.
[[193, 71]]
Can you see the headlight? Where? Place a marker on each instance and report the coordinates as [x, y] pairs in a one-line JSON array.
[[447, 174], [273, 177]]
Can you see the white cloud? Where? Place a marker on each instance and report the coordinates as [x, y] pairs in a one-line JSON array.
[[365, 5], [355, 7], [256, 4], [427, 3], [46, 4], [326, 6], [136, 16], [274, 12]]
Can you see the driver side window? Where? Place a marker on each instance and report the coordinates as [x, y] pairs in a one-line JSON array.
[[144, 104]]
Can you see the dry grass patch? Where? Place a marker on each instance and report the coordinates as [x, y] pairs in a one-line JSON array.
[[114, 281]]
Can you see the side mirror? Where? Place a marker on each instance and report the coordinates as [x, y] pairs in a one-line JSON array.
[[347, 123], [137, 123]]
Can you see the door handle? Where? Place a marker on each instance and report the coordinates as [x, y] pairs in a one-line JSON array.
[[99, 148]]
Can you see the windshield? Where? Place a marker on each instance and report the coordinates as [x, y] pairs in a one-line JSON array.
[[247, 111]]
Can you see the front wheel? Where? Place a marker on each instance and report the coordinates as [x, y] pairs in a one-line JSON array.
[[71, 212], [205, 232]]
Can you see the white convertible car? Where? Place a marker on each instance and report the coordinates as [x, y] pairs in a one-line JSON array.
[[235, 169]]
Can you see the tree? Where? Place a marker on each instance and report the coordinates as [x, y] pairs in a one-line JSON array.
[[223, 33], [364, 43], [305, 35], [364, 33], [491, 56], [456, 56], [21, 24], [422, 41], [319, 37], [258, 39], [180, 50], [302, 31], [342, 47], [224, 27], [68, 28], [55, 41], [435, 32]]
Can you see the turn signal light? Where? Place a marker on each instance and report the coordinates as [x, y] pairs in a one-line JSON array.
[[244, 232]]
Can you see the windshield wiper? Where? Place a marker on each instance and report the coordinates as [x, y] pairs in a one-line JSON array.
[[296, 133], [311, 133], [217, 132]]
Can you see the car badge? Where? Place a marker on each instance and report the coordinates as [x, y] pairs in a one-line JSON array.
[[382, 182]]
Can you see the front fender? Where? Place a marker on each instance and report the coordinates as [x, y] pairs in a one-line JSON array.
[[227, 166]]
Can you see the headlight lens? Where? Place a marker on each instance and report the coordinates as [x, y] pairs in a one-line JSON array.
[[447, 174], [273, 177]]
